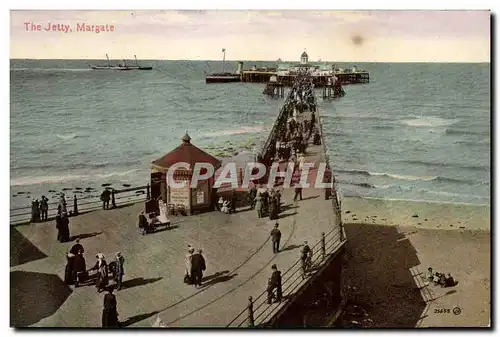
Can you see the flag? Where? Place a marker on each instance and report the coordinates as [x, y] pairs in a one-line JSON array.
[[223, 50]]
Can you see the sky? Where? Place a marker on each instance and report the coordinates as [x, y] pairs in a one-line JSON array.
[[342, 36]]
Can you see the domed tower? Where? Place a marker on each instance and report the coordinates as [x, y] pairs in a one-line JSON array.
[[304, 58]]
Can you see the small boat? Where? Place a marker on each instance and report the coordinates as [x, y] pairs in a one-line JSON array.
[[123, 66], [222, 77]]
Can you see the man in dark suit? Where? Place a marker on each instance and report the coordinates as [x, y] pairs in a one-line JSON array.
[[274, 283], [276, 237], [109, 312], [198, 266]]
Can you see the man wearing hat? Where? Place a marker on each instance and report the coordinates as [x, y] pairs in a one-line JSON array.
[[119, 272], [274, 282], [276, 237], [305, 259]]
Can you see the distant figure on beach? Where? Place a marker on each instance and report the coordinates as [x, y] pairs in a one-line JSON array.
[[105, 197], [44, 208], [276, 237], [198, 266], [109, 311], [274, 283]]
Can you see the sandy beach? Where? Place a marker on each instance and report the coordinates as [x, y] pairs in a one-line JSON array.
[[388, 254], [432, 215]]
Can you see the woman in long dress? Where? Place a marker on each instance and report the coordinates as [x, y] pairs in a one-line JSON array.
[[102, 272], [189, 278]]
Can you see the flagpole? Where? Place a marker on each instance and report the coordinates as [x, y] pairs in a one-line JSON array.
[[223, 59]]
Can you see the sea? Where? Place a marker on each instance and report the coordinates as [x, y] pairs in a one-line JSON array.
[[417, 131]]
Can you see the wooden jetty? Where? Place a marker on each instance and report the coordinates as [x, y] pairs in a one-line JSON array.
[[255, 76], [237, 249]]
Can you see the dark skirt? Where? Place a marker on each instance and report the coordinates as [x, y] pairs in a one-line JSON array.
[[109, 318]]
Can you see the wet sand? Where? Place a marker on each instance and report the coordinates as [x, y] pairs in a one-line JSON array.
[[429, 214], [388, 255]]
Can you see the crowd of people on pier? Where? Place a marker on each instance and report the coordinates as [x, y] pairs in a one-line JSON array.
[[289, 143]]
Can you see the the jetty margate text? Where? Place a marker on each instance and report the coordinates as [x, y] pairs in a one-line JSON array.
[[68, 28]]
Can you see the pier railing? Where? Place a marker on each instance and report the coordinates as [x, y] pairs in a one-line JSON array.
[[259, 312], [76, 205]]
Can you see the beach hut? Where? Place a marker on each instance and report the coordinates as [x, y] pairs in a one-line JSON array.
[[186, 199]]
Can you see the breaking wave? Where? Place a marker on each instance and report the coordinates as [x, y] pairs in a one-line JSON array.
[[402, 177], [432, 122], [242, 130], [30, 180], [469, 167]]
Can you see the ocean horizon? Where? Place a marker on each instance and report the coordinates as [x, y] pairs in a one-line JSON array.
[[417, 131]]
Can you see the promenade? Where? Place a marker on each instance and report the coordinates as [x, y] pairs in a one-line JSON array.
[[237, 248]]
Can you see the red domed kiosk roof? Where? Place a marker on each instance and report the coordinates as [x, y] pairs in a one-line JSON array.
[[188, 153]]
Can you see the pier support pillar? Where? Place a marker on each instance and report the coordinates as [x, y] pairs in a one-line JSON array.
[[148, 195]]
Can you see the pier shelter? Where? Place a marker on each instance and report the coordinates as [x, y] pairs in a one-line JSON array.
[[184, 200]]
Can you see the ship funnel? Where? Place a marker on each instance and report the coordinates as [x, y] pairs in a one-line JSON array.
[[240, 68]]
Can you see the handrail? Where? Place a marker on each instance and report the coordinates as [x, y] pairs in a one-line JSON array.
[[122, 197], [329, 245]]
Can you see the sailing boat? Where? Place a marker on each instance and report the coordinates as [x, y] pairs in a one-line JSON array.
[[120, 66], [222, 77]]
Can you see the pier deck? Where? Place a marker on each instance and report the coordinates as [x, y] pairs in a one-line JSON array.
[[237, 249]]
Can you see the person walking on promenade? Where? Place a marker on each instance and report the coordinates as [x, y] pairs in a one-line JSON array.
[[109, 311], [252, 194], [44, 208], [105, 197], [276, 237], [271, 208], [274, 283], [305, 259], [68, 271], [79, 267], [234, 199], [102, 272], [119, 271], [188, 278], [62, 205], [64, 228], [278, 201], [298, 193], [198, 266], [259, 205]]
